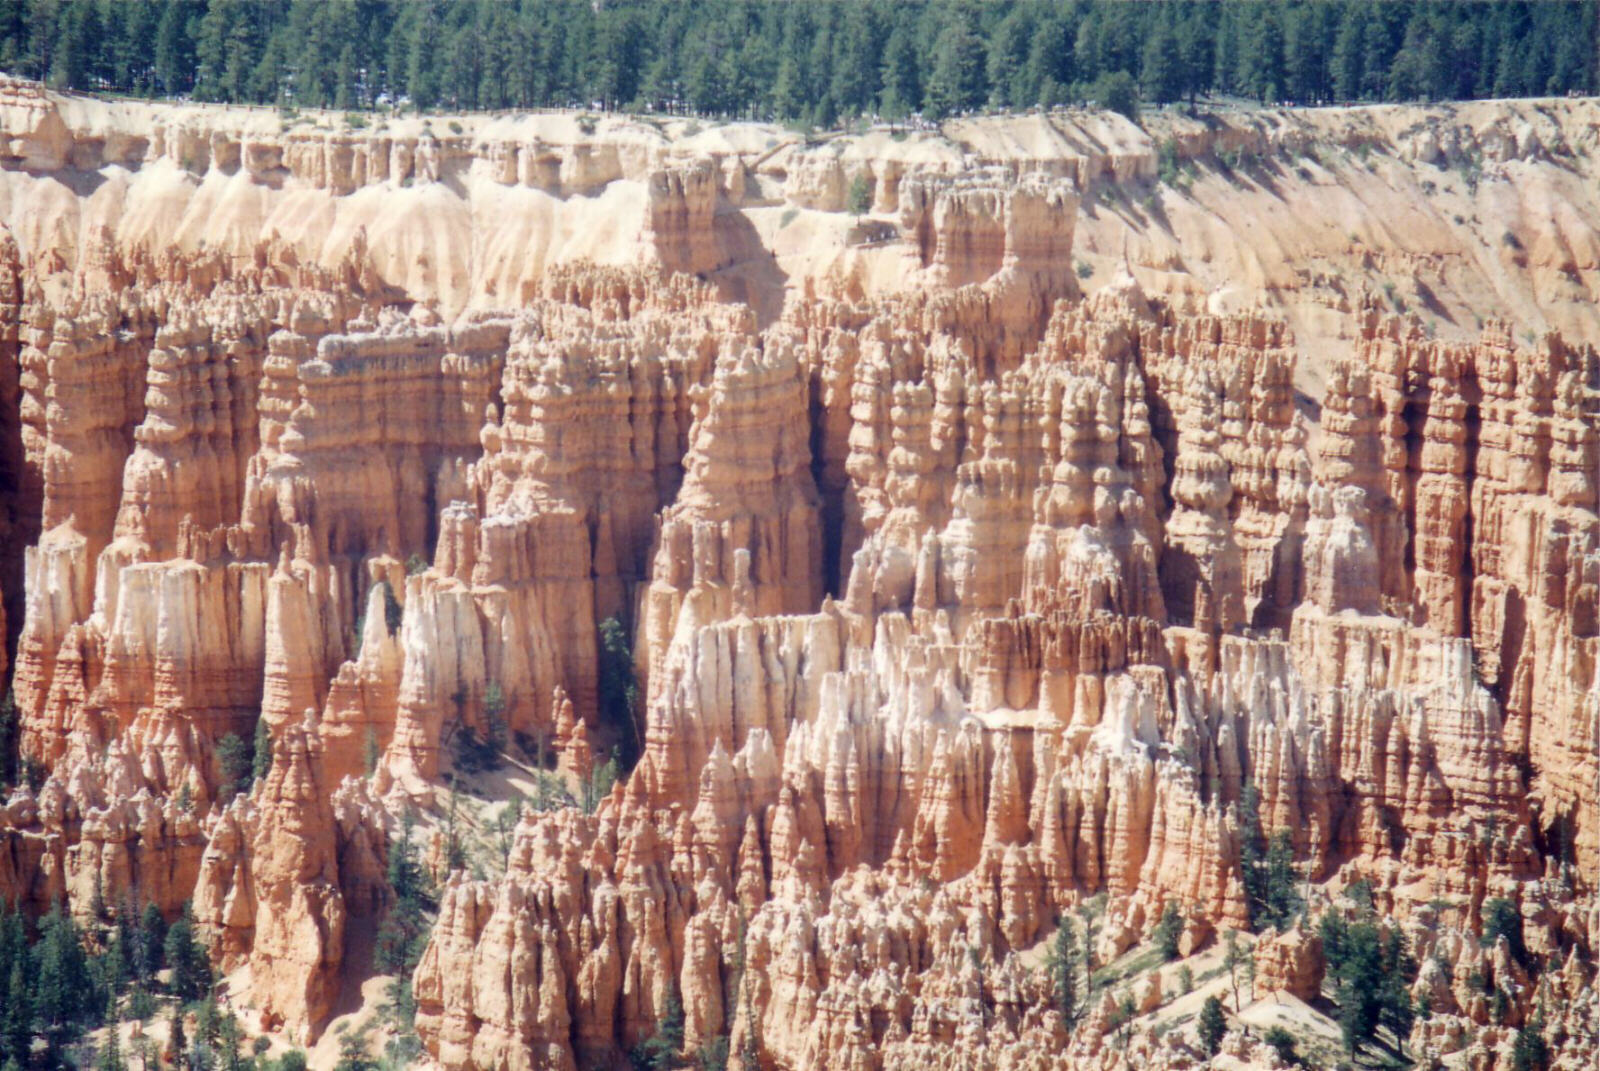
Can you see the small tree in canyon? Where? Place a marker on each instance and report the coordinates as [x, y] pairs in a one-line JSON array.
[[1062, 967], [619, 692], [1169, 931], [1213, 1027]]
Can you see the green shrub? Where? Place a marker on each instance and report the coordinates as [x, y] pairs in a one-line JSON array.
[[1530, 1051], [393, 612], [475, 751], [1169, 931], [237, 763], [619, 692], [1167, 161], [859, 199], [261, 751], [1283, 1041], [1502, 919]]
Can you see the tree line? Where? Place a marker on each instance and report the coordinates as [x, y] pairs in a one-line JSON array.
[[819, 62]]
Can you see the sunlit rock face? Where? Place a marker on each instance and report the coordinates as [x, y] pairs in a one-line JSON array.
[[960, 590]]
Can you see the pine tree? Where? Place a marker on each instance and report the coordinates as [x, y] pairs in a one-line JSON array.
[[1117, 92], [16, 1016], [1195, 41], [145, 1046], [494, 715], [422, 59], [152, 936], [1233, 959], [394, 614], [211, 50], [111, 1052], [958, 80], [177, 1043], [400, 936], [16, 998], [1169, 931], [1049, 67], [1281, 883], [661, 1049], [8, 739], [1502, 919], [902, 89], [1213, 1027], [230, 1054], [63, 987], [1063, 969], [599, 785], [1349, 53], [1530, 1051], [344, 96], [141, 1005], [78, 47], [1261, 68], [750, 1048], [207, 1023], [854, 83], [261, 751], [619, 692], [1283, 1043], [174, 51], [1252, 869], [405, 872], [788, 97], [1011, 82], [190, 976], [728, 58], [353, 1054], [858, 199], [1161, 73], [235, 764], [127, 939], [1370, 971]]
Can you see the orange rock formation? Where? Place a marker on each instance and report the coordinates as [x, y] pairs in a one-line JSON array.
[[959, 603]]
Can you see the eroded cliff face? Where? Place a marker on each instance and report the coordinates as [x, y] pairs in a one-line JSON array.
[[965, 590]]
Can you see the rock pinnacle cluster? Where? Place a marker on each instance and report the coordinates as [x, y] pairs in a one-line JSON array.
[[866, 593]]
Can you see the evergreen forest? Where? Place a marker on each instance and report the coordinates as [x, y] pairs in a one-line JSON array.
[[818, 62]]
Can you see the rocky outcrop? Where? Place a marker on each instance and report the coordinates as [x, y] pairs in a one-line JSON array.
[[284, 871], [742, 536]]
